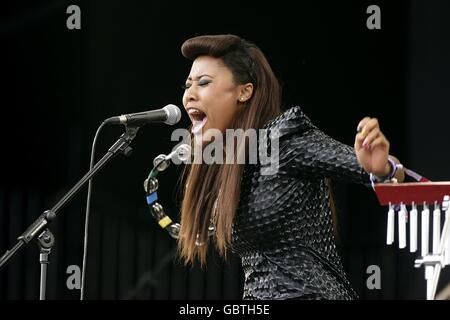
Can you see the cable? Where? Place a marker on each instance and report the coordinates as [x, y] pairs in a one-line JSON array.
[[88, 207]]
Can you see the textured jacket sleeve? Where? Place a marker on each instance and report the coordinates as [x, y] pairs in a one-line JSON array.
[[312, 152]]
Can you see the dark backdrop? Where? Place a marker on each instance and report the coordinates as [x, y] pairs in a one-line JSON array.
[[59, 84]]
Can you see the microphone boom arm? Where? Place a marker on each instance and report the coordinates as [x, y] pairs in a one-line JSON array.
[[39, 225]]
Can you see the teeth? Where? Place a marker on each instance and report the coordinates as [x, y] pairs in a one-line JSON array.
[[195, 111], [199, 119]]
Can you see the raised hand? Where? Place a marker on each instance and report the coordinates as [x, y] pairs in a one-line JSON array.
[[372, 147]]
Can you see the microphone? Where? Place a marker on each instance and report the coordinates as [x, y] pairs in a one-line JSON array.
[[181, 153], [170, 115]]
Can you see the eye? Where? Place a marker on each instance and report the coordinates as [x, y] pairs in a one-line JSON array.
[[185, 86], [204, 82]]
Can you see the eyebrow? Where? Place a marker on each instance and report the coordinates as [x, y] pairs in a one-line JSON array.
[[198, 77]]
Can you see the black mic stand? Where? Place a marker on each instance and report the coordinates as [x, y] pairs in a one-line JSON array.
[[46, 239], [45, 242]]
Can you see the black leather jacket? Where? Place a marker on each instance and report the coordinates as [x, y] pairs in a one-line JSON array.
[[283, 228]]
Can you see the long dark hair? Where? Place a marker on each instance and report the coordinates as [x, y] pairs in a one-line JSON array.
[[203, 181]]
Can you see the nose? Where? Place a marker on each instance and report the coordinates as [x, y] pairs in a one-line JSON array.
[[190, 94]]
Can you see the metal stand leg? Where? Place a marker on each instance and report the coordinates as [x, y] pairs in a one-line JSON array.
[[45, 242]]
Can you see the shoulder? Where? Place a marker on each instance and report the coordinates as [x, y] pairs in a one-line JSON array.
[[293, 120]]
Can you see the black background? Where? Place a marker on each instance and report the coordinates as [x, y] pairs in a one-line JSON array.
[[58, 85]]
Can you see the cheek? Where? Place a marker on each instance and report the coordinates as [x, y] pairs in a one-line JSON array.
[[224, 116], [221, 102], [184, 99]]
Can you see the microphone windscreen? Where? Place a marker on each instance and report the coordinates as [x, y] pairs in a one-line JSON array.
[[173, 114]]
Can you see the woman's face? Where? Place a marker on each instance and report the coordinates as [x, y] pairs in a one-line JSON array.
[[212, 98]]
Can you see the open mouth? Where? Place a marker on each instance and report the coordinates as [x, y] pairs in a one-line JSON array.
[[198, 118]]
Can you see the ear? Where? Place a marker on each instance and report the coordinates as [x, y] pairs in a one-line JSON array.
[[245, 92]]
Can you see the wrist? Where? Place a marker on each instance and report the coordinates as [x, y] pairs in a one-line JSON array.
[[389, 173], [387, 170]]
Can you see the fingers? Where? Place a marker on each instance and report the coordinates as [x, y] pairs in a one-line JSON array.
[[369, 125], [362, 123], [362, 141], [368, 130], [358, 141], [370, 137], [374, 139], [380, 141]]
